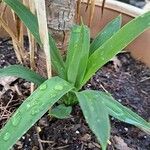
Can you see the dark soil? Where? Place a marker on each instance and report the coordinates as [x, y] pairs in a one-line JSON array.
[[129, 84]]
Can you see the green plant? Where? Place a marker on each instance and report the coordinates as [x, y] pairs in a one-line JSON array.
[[82, 61]]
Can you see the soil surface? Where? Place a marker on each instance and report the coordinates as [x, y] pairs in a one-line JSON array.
[[126, 79]]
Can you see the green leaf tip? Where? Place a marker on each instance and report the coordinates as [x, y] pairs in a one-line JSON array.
[[96, 115], [22, 72], [116, 43]]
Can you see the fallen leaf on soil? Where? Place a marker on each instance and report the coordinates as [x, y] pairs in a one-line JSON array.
[[120, 144], [117, 63], [86, 137], [6, 81]]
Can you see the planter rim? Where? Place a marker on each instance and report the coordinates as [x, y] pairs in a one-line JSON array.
[[120, 7], [139, 48]]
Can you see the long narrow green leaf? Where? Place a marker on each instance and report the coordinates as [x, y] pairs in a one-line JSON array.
[[84, 55], [96, 115], [22, 72], [78, 52], [73, 41], [109, 30], [122, 113], [31, 23], [32, 109], [116, 43]]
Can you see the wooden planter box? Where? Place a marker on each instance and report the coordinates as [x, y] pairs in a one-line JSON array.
[[139, 48]]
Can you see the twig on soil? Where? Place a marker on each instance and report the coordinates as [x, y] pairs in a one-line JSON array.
[[144, 92], [113, 143], [44, 141], [96, 144], [145, 79], [104, 88], [5, 109], [38, 136], [82, 146], [17, 90]]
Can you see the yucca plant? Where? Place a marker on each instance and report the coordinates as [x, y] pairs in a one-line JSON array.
[[82, 61]]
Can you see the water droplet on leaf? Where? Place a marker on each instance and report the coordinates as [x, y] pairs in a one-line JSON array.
[[52, 94], [28, 106], [98, 121], [58, 87], [16, 119], [43, 86], [6, 136], [35, 111]]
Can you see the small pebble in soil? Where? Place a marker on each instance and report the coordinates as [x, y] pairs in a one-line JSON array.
[[145, 136], [119, 100], [126, 129], [29, 140], [77, 132]]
